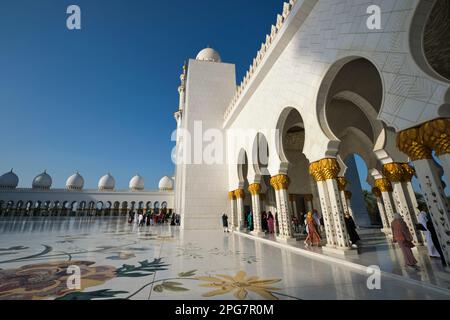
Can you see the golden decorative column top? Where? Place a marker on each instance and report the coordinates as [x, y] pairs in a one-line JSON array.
[[309, 197], [383, 185], [342, 183], [280, 182], [330, 168], [376, 192], [239, 194], [436, 135], [231, 195], [408, 172], [316, 171], [254, 188], [411, 143], [398, 172], [348, 195], [325, 169]]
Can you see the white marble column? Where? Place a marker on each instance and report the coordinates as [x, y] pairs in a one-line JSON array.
[[326, 213], [400, 176], [325, 172], [348, 198], [309, 203], [255, 190], [232, 199], [240, 196], [342, 237], [434, 135], [342, 184], [431, 185], [419, 144], [385, 188], [281, 183], [384, 219], [293, 204]]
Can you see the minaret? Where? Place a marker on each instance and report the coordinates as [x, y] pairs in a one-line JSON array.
[[178, 117]]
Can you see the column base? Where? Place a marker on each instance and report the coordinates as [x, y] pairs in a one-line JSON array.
[[286, 240], [387, 232], [257, 233], [346, 252]]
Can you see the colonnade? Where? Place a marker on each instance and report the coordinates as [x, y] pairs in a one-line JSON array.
[[392, 188]]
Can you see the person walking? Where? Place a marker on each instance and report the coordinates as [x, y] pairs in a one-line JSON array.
[[264, 222], [423, 222], [313, 237], [270, 222], [141, 219], [402, 236], [433, 245], [225, 223], [250, 221], [351, 229]]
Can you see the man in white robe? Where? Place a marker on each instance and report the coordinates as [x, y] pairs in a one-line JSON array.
[[423, 220]]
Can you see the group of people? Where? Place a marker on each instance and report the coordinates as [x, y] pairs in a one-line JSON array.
[[267, 222], [151, 219], [313, 226], [402, 236]]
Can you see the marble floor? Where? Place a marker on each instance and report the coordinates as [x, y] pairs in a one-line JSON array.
[[376, 249], [121, 261]]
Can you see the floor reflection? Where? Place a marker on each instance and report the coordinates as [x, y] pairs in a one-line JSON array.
[[122, 261]]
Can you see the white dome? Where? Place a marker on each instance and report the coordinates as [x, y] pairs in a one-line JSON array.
[[107, 182], [75, 182], [209, 54], [137, 183], [42, 181], [166, 184], [9, 180]]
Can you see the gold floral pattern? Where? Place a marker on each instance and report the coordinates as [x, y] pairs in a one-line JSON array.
[[240, 284], [49, 280]]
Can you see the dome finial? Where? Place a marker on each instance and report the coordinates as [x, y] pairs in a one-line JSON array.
[[209, 54]]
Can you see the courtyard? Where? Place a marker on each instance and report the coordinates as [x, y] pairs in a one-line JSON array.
[[121, 261]]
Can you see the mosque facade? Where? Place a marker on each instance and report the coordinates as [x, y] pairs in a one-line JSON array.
[[323, 88]]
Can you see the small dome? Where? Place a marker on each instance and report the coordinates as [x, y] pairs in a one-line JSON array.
[[9, 180], [42, 181], [209, 54], [107, 182], [166, 184], [137, 183], [75, 182]]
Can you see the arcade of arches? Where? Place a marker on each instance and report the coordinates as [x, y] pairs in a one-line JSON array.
[[82, 208], [297, 183]]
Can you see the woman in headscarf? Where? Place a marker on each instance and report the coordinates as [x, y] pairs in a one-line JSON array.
[[264, 225], [402, 236], [313, 236], [270, 222], [250, 221], [351, 229]]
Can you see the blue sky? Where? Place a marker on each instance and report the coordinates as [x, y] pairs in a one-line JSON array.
[[102, 99]]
